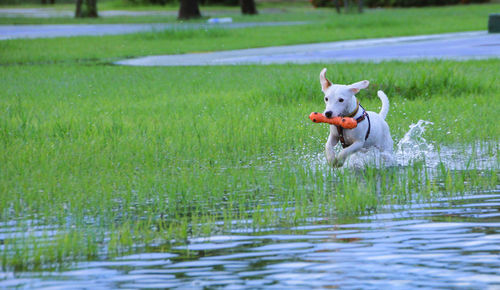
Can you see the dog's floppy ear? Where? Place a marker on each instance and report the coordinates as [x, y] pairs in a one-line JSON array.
[[325, 83], [356, 87]]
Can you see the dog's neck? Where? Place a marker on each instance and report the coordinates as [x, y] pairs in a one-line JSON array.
[[353, 108]]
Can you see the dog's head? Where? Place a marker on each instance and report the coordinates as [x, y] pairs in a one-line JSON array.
[[339, 99]]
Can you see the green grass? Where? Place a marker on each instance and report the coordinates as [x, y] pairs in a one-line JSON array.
[[326, 26], [98, 160], [120, 158]]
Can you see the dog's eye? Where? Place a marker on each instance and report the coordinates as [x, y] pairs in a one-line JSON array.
[[326, 99], [341, 100]]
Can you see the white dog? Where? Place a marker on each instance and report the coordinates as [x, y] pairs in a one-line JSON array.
[[372, 130]]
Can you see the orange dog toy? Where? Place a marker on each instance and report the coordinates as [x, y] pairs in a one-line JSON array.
[[344, 122]]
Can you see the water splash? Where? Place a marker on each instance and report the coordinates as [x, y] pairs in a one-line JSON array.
[[370, 157], [413, 146]]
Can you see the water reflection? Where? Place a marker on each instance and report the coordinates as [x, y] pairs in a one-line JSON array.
[[450, 243]]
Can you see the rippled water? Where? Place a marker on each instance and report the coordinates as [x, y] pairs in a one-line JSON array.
[[450, 243]]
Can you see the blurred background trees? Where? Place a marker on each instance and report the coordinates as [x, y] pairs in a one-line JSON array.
[[315, 3], [189, 9], [248, 7], [86, 8]]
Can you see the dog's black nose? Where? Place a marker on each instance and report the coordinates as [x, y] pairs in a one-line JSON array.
[[328, 114]]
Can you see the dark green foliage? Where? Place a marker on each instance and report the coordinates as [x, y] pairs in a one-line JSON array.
[[86, 8], [152, 2], [24, 2], [325, 3], [176, 2], [220, 2], [494, 23], [418, 3], [398, 3]]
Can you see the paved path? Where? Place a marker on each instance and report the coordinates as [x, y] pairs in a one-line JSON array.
[[66, 30], [461, 46]]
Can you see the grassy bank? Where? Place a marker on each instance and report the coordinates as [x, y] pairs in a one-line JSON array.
[[324, 27], [100, 160]]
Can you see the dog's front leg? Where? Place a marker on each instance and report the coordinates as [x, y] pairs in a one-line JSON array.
[[348, 151], [329, 148]]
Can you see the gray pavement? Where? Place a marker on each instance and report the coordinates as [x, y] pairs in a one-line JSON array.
[[456, 46], [68, 30]]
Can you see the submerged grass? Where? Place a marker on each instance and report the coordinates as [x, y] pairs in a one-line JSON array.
[[101, 160]]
